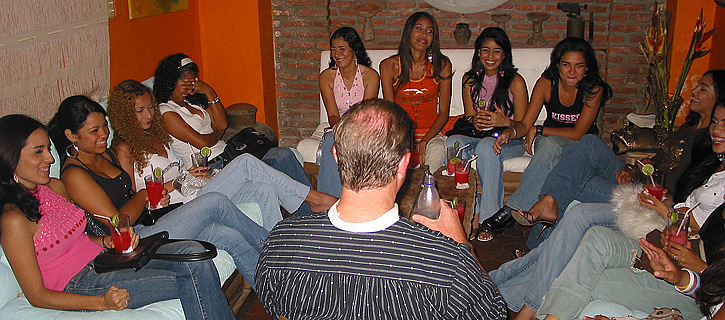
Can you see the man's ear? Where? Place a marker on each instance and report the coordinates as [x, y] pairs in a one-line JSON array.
[[334, 153], [403, 164]]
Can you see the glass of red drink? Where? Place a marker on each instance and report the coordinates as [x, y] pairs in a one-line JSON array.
[[678, 224], [154, 189], [653, 184], [461, 209], [462, 170], [120, 233]]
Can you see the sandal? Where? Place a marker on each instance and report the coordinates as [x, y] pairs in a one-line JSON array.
[[522, 220], [518, 253], [484, 234]]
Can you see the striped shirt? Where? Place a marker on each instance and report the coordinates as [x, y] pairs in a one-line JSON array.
[[309, 269]]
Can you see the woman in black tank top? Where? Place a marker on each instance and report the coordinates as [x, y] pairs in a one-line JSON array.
[[95, 181], [572, 92]]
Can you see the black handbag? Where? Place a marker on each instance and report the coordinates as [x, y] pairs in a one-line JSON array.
[[247, 141], [466, 128], [145, 251]]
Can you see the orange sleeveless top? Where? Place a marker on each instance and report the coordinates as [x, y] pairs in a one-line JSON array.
[[419, 98]]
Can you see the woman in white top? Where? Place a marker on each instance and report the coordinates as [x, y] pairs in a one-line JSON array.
[[142, 143]]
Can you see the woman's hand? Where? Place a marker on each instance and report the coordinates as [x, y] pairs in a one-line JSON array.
[[651, 202], [495, 118], [134, 237], [624, 177], [502, 139], [685, 256], [663, 267], [199, 172], [165, 198], [529, 140], [203, 87], [116, 299]]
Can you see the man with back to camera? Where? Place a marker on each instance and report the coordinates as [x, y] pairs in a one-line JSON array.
[[361, 260]]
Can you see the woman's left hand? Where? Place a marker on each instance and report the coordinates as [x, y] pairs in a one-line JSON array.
[[529, 140], [165, 198], [134, 237], [203, 87], [495, 118], [663, 267], [199, 172], [651, 202], [685, 256]]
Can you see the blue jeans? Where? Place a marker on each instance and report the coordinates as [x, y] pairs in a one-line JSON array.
[[214, 218], [284, 160], [587, 173], [328, 179], [247, 179], [599, 270], [547, 152], [525, 281], [196, 284], [489, 167]]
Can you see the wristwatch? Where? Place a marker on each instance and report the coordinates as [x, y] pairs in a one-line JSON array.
[[539, 130]]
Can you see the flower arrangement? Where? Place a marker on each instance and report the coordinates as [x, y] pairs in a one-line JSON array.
[[656, 50]]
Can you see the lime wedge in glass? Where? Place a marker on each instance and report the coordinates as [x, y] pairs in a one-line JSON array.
[[205, 151], [648, 169], [114, 220], [455, 160], [158, 172], [455, 201]]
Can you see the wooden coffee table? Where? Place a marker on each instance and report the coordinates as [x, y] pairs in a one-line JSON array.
[[408, 194]]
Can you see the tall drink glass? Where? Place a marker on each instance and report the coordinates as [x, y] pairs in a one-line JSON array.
[[653, 184], [462, 170], [120, 233], [154, 189]]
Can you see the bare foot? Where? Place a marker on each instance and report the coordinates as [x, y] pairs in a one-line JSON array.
[[319, 201], [546, 208]]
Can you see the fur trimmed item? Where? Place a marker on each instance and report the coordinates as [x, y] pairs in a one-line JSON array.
[[634, 219]]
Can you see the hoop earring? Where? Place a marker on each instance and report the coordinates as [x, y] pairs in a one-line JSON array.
[[430, 55], [721, 157], [15, 178], [68, 149]]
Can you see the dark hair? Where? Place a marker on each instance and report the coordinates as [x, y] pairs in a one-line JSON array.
[[168, 73], [703, 164], [591, 79], [370, 140], [506, 73], [718, 81], [14, 132], [72, 114], [712, 280], [434, 50], [353, 40]]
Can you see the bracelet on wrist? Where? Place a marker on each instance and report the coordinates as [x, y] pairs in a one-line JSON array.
[[513, 135], [215, 101]]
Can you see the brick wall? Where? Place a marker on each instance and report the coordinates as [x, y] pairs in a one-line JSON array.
[[302, 28]]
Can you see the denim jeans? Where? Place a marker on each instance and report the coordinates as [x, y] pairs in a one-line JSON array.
[[525, 280], [328, 178], [284, 160], [247, 179], [547, 152], [214, 218], [196, 284], [599, 270], [586, 172], [489, 167]]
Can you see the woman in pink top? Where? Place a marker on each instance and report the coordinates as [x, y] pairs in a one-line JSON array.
[[347, 81], [43, 237]]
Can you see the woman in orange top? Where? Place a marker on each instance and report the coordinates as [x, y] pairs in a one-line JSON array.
[[418, 78]]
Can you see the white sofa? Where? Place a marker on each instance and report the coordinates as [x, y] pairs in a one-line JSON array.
[[531, 62]]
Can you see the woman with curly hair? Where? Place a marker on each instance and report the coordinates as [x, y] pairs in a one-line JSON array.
[[349, 80], [142, 143], [195, 117], [496, 96], [418, 78]]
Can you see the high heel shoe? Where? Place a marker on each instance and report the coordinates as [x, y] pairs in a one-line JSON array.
[[521, 219]]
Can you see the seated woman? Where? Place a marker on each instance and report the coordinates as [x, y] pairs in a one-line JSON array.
[[590, 170], [96, 182], [195, 117], [572, 92], [600, 267], [142, 141], [494, 97], [418, 78], [52, 259], [350, 67], [524, 281]]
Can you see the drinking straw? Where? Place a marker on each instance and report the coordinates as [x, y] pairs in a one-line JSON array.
[[687, 214], [458, 153], [651, 178], [469, 162], [110, 222]]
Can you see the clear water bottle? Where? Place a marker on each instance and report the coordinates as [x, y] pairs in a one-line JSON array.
[[429, 204]]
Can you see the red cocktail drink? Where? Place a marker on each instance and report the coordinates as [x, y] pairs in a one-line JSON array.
[[154, 189], [451, 167], [680, 238], [122, 241], [462, 171], [655, 190]]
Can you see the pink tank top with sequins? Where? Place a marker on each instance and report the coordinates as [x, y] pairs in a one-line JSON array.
[[61, 246], [345, 98]]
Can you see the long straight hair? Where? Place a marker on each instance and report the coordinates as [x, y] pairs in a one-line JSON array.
[[437, 58], [591, 79], [506, 73]]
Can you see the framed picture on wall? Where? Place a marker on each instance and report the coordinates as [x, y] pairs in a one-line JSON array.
[[145, 8]]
